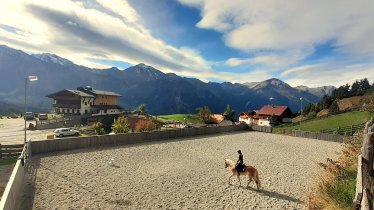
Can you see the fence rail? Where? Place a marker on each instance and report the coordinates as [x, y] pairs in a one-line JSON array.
[[365, 172], [347, 130], [11, 150]]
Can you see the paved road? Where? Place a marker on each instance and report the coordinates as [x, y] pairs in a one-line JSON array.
[[12, 131]]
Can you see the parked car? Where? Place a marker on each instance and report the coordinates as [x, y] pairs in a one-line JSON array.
[[29, 116], [43, 117], [61, 132]]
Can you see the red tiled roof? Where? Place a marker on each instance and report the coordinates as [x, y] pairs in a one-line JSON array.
[[217, 117], [272, 110]]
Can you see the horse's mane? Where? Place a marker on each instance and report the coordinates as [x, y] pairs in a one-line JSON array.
[[230, 162]]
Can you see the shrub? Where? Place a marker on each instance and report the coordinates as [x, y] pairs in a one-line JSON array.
[[157, 122], [144, 125], [121, 125], [98, 127], [107, 123]]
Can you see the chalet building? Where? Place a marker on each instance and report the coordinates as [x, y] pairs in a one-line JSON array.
[[85, 100], [275, 114], [267, 116]]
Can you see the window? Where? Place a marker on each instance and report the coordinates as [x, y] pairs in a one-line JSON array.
[[104, 110], [85, 111], [85, 103]]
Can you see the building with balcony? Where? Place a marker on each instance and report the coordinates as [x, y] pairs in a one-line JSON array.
[[85, 100]]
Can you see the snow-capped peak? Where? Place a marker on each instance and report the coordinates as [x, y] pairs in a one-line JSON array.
[[47, 57]]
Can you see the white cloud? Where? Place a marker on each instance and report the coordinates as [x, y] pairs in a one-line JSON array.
[[272, 60], [282, 25], [84, 31], [329, 73]]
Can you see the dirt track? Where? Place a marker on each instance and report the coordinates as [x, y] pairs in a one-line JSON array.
[[186, 173]]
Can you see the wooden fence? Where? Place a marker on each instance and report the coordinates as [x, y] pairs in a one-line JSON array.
[[347, 131], [11, 150], [365, 172], [266, 129], [321, 136]]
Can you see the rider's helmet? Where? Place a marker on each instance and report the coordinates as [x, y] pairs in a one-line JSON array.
[[239, 151]]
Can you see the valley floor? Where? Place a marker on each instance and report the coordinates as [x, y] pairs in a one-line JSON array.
[[184, 173]]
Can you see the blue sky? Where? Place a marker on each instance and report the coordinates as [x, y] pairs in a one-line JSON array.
[[313, 43]]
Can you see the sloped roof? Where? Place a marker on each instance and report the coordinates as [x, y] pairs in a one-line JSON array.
[[272, 110], [102, 92], [81, 93], [76, 92]]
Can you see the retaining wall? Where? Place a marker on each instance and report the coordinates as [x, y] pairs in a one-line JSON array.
[[46, 146], [14, 189], [321, 136]]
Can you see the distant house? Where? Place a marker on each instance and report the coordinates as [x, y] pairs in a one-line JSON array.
[[247, 117], [274, 115], [85, 100]]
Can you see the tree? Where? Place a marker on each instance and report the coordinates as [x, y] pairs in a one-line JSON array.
[[204, 114], [98, 127], [107, 123], [334, 108], [142, 109], [229, 113], [121, 125]]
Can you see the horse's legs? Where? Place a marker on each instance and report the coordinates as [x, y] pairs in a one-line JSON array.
[[230, 177], [240, 183], [249, 179]]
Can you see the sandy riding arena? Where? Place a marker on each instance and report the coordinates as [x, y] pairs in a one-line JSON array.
[[179, 174]]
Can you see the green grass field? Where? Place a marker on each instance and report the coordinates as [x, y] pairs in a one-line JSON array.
[[8, 160], [340, 120], [179, 117]]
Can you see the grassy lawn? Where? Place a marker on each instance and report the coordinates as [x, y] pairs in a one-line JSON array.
[[8, 160], [340, 120], [179, 117]]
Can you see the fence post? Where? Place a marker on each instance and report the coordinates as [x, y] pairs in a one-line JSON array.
[[364, 193]]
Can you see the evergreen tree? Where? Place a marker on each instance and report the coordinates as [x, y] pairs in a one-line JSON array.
[[229, 113], [334, 108]]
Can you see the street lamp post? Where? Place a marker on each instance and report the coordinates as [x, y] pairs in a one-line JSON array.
[[271, 98], [301, 110], [28, 78]]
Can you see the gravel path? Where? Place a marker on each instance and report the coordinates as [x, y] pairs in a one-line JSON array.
[[186, 173]]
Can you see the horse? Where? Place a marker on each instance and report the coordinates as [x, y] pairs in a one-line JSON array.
[[249, 170]]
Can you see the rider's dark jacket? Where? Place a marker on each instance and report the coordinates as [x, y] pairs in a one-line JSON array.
[[240, 161]]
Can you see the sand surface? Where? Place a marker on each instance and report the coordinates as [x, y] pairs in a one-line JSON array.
[[180, 174]]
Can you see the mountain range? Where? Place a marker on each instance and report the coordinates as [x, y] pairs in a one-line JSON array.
[[162, 93]]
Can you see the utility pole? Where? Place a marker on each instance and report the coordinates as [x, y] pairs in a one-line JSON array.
[[301, 110]]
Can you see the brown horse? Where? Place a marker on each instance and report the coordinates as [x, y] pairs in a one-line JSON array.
[[249, 170]]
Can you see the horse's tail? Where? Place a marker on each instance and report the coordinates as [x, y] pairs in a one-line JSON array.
[[257, 180]]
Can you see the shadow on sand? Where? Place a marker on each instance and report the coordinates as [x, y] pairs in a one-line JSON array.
[[275, 195]]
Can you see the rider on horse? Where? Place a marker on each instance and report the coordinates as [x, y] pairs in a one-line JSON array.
[[239, 164]]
